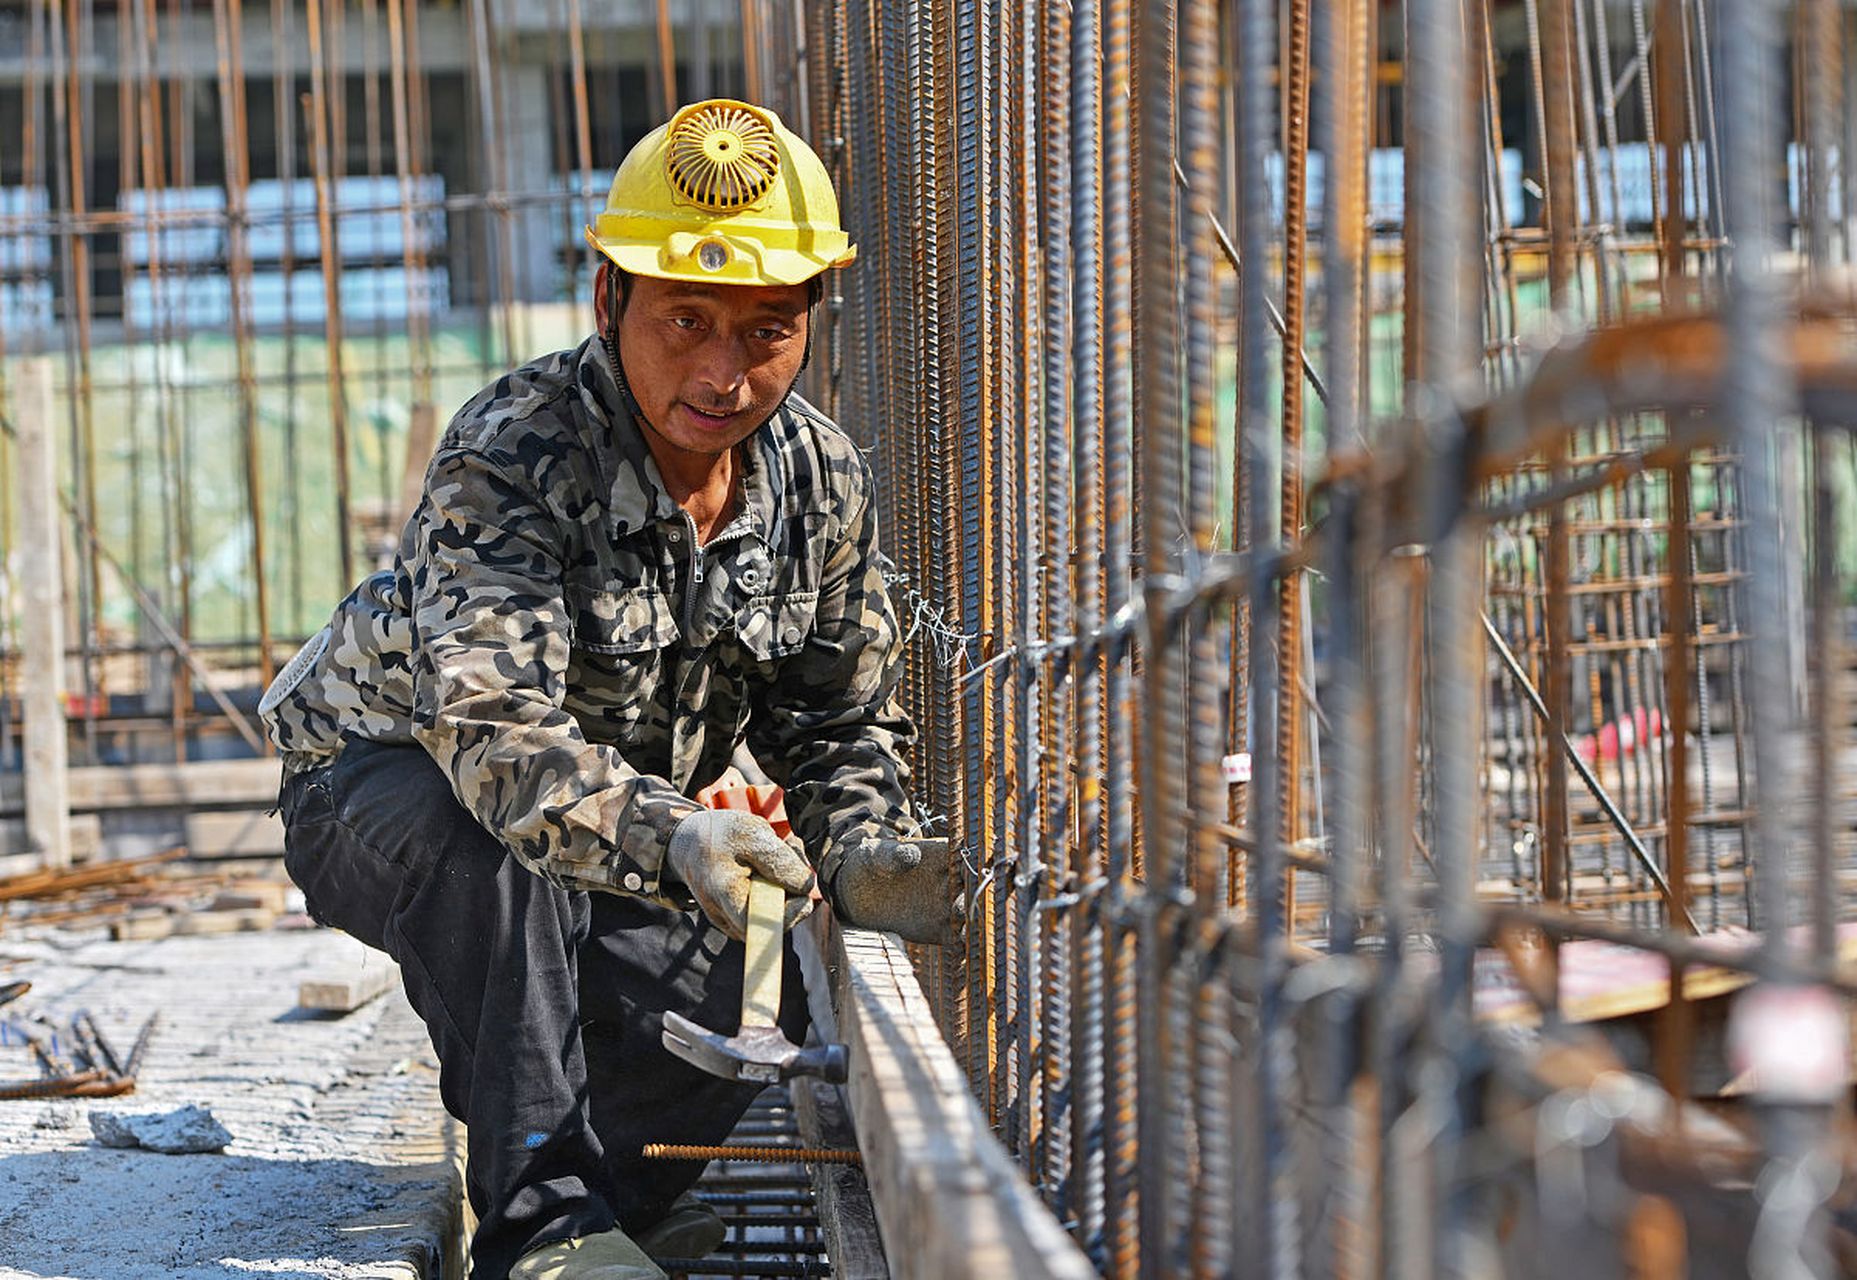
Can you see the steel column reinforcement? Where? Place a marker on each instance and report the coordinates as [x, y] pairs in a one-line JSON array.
[[1322, 683], [277, 234], [1371, 495]]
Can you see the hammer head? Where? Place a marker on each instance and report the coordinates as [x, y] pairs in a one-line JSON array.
[[755, 1055]]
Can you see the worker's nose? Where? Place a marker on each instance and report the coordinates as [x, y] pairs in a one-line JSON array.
[[722, 367]]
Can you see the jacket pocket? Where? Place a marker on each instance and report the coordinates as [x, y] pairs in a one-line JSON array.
[[773, 627], [636, 620]]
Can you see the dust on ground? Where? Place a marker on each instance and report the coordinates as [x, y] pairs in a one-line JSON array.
[[341, 1159]]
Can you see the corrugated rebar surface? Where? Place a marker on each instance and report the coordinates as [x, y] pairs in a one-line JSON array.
[[1287, 766]]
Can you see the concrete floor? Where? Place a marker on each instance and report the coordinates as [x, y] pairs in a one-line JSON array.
[[342, 1162]]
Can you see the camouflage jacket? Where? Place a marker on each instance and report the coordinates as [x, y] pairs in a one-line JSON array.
[[552, 634]]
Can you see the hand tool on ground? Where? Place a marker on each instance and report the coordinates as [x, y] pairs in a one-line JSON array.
[[760, 1052], [95, 1070]]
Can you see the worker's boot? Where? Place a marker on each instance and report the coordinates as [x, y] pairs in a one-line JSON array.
[[610, 1255], [692, 1229]]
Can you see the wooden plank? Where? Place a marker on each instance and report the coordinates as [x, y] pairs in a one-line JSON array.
[[949, 1200], [40, 883], [853, 1239], [145, 926], [1604, 980], [267, 895], [346, 989], [47, 802], [251, 833], [246, 784]]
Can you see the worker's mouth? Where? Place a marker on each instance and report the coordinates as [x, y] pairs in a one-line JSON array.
[[707, 420]]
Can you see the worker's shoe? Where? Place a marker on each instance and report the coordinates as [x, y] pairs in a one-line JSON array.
[[692, 1229], [610, 1255]]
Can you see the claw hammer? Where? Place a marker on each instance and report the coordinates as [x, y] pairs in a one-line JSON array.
[[760, 1052]]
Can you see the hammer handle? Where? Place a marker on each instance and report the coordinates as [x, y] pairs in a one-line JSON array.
[[767, 903]]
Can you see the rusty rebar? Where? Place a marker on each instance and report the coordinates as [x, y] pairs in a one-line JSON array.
[[1044, 412], [755, 1154], [1289, 744]]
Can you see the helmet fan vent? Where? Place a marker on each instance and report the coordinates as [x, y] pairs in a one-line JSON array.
[[722, 158]]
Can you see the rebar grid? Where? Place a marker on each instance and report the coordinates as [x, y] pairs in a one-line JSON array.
[[1482, 657], [264, 242], [1314, 661]]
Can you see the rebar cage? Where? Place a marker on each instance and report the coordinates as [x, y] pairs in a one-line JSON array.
[[1348, 679], [268, 246], [1370, 488]]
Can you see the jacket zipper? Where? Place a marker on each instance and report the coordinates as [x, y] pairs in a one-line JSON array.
[[696, 578], [697, 551]]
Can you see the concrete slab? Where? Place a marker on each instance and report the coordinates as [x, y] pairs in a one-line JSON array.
[[342, 1164]]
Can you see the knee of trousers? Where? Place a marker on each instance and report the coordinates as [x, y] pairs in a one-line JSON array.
[[383, 850]]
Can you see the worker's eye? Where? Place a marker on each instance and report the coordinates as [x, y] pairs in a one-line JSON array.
[[688, 324], [771, 333]]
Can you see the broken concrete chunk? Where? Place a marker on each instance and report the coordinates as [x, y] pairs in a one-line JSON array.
[[184, 1132], [57, 1115]]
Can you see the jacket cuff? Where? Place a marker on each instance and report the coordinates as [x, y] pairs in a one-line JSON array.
[[640, 855]]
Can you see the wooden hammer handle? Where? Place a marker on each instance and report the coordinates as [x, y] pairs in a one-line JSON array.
[[767, 904]]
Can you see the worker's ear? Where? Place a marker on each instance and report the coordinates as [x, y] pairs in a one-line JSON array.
[[815, 294], [602, 296], [612, 289]]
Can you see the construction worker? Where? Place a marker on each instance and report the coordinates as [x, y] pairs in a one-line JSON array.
[[630, 558]]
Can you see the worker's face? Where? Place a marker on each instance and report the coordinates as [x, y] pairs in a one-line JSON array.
[[709, 363]]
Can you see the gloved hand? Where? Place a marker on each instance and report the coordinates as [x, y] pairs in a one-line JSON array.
[[716, 851], [897, 885]]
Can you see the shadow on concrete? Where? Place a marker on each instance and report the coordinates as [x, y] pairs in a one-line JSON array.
[[95, 1213]]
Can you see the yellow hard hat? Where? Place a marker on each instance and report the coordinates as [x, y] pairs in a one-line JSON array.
[[723, 194]]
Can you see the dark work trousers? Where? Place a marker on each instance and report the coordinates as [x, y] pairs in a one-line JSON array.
[[544, 1004]]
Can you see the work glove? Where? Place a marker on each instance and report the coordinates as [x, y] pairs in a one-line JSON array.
[[901, 886], [714, 853]]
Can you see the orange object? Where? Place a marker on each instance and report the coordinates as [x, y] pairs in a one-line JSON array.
[[78, 706], [768, 802]]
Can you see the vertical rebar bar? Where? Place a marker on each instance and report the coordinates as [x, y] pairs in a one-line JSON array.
[[1342, 63], [1089, 854], [1267, 1215], [1563, 266], [1163, 711], [330, 253], [1439, 222], [1120, 1065], [1056, 609], [229, 35], [1289, 743], [1206, 1128]]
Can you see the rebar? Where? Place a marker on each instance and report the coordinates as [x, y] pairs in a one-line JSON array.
[[1610, 609], [752, 1154], [1353, 549]]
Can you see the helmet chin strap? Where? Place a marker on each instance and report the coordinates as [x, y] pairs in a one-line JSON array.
[[815, 293], [609, 338]]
